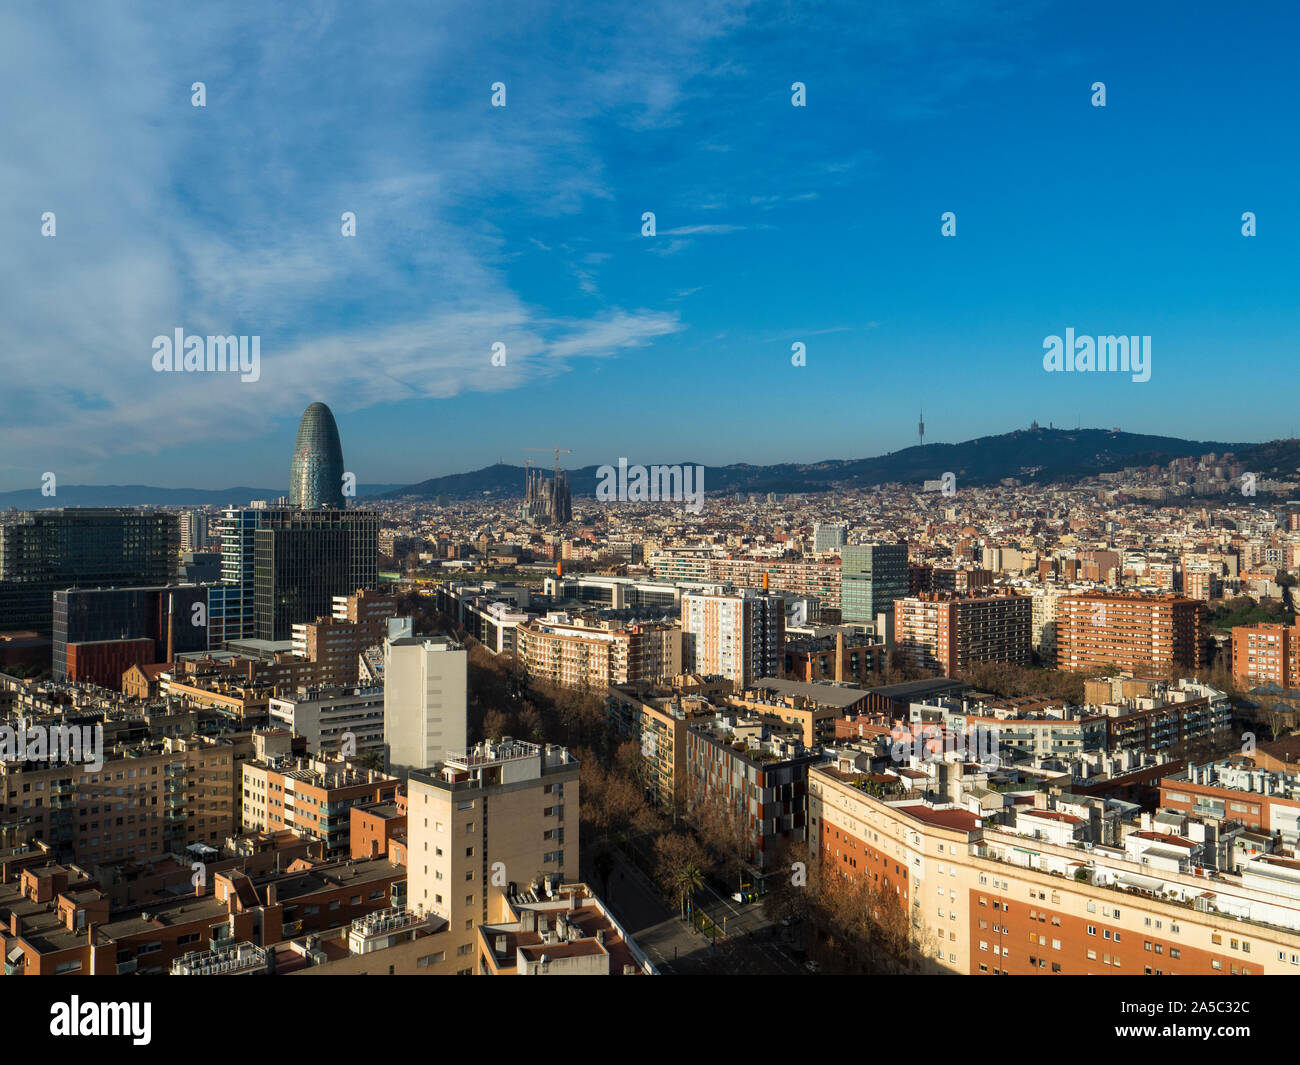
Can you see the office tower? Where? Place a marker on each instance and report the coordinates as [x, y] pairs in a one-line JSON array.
[[304, 558], [829, 537], [872, 577], [1163, 633], [41, 551], [935, 631], [425, 690], [280, 567], [484, 824], [100, 633], [194, 530], [230, 603], [739, 636], [316, 473]]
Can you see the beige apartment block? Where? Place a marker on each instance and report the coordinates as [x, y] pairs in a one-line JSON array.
[[982, 900], [482, 821]]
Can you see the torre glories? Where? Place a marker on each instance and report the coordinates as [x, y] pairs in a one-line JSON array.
[[316, 474], [282, 566]]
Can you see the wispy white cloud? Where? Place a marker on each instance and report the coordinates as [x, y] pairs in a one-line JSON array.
[[226, 219]]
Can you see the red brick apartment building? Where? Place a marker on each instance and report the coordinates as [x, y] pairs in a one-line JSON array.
[[1266, 654], [1161, 633], [55, 920], [939, 631]]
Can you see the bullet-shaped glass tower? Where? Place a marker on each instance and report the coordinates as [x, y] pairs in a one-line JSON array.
[[316, 475]]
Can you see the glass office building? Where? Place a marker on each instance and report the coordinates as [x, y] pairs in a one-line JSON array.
[[872, 577], [316, 473], [92, 547]]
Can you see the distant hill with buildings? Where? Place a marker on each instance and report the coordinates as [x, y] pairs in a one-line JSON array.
[[1037, 455], [1031, 455]]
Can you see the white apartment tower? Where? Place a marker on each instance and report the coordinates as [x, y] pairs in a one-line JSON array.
[[424, 701]]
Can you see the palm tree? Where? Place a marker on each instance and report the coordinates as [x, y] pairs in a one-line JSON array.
[[689, 881]]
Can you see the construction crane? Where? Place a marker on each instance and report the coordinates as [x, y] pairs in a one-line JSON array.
[[558, 451]]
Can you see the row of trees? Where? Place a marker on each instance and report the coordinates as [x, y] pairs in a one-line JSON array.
[[703, 838], [854, 926]]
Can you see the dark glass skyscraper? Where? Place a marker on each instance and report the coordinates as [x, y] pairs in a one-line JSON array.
[[303, 558], [316, 474], [44, 550]]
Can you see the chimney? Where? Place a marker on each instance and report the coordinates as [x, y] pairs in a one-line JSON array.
[[171, 626], [839, 656], [270, 894]]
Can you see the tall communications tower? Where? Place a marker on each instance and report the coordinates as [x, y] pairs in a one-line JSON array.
[[920, 427]]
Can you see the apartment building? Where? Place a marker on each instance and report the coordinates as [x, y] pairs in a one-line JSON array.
[[738, 636], [1143, 633], [1042, 636], [484, 821], [334, 720], [55, 921], [312, 797], [947, 634], [1263, 800], [984, 899], [813, 708], [425, 692], [559, 931], [809, 579], [146, 800], [583, 652], [745, 767], [1266, 654], [656, 718], [335, 642], [845, 657], [1167, 716]]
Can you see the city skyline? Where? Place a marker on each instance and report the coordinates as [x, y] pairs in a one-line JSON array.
[[521, 225]]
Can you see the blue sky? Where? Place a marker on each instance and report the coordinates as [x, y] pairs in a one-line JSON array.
[[521, 224]]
